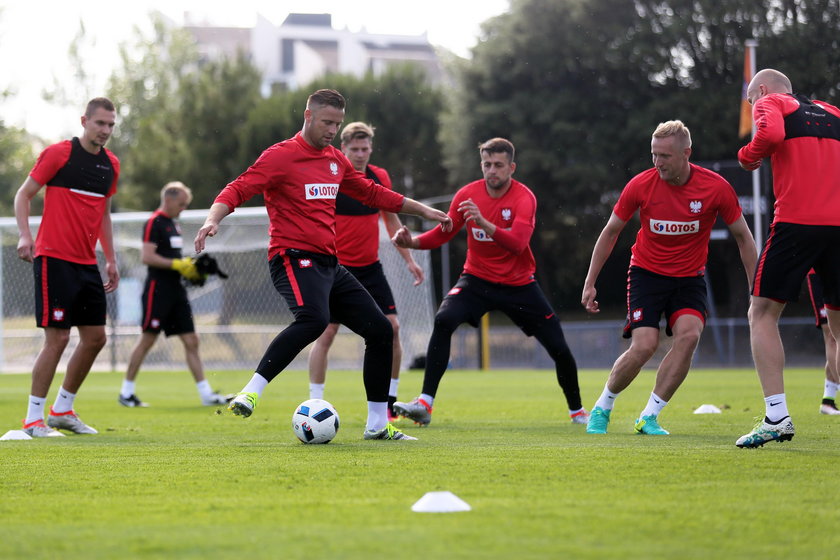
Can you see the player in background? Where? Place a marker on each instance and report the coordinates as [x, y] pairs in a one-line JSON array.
[[678, 203], [832, 379], [165, 303], [299, 179], [802, 138], [499, 213], [357, 249], [80, 176]]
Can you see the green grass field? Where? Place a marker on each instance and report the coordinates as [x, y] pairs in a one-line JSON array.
[[178, 480]]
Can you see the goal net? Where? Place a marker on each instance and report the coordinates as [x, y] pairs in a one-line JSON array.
[[236, 319]]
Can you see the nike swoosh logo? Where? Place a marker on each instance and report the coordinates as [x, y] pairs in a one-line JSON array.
[[775, 403], [656, 401], [549, 316]]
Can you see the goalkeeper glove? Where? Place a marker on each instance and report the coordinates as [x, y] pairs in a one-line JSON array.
[[186, 268]]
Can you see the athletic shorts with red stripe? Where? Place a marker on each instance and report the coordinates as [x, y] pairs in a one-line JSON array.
[[317, 288], [651, 295], [372, 277], [68, 294], [166, 307], [526, 305], [791, 250], [817, 302]]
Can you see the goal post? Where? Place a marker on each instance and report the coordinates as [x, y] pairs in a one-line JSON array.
[[236, 319]]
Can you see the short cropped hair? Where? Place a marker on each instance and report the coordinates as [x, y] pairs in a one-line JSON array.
[[498, 146], [97, 103], [325, 97], [173, 189], [355, 131], [674, 128]]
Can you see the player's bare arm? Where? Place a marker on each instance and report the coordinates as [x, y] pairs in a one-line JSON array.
[[392, 225], [23, 198], [106, 239], [211, 225], [411, 206], [404, 239], [603, 249], [470, 211], [746, 246]]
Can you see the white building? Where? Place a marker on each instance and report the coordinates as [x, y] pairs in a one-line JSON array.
[[305, 47]]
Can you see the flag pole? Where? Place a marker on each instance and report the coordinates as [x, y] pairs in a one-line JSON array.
[[758, 233]]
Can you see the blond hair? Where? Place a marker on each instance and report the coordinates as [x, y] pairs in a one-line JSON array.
[[173, 189], [355, 130], [674, 128]]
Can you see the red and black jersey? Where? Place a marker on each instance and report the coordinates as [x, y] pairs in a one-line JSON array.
[[676, 220], [357, 225], [78, 184], [802, 139], [506, 257], [165, 234], [299, 183]]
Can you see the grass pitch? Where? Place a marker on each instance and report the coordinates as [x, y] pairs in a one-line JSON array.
[[178, 480]]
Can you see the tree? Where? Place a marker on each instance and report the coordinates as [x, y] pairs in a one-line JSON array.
[[16, 159]]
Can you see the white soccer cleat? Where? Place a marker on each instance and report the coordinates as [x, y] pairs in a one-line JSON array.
[[69, 421], [764, 432], [581, 417], [418, 410], [388, 432], [215, 399], [39, 429], [828, 407]]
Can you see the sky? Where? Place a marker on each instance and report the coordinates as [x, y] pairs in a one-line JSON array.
[[34, 48]]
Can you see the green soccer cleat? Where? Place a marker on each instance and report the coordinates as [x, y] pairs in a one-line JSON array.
[[388, 432], [243, 404], [599, 419], [765, 431], [648, 425]]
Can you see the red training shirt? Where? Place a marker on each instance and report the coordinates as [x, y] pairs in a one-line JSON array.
[[78, 185], [802, 139], [505, 258], [299, 183], [357, 225], [676, 220]]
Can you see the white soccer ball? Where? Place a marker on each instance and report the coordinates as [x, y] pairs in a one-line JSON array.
[[315, 421]]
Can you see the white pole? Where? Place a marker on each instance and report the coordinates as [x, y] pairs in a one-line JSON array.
[[758, 232]]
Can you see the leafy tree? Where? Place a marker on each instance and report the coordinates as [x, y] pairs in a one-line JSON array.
[[16, 159]]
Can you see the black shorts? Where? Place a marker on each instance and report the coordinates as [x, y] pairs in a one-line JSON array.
[[68, 294], [472, 297], [166, 307], [651, 295], [791, 250], [372, 277], [817, 303]]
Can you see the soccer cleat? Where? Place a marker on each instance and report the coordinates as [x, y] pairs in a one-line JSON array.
[[131, 402], [392, 417], [649, 425], [764, 431], [243, 404], [39, 429], [828, 407], [599, 419], [418, 410], [69, 421], [216, 399], [580, 417], [388, 432]]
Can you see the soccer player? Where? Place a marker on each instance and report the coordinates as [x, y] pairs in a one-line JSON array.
[[499, 213], [357, 249], [299, 179], [832, 379], [80, 177], [165, 303], [678, 203], [802, 138]]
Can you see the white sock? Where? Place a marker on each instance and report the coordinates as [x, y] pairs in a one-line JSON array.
[[63, 401], [35, 409], [316, 390], [392, 391], [607, 399], [776, 407], [654, 406], [377, 415], [204, 389], [830, 389], [430, 400], [127, 388], [256, 385]]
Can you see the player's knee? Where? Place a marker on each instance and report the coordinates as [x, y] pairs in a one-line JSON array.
[[446, 322]]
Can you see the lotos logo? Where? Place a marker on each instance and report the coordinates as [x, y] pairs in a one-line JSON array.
[[480, 235], [663, 227], [316, 191], [305, 263]]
